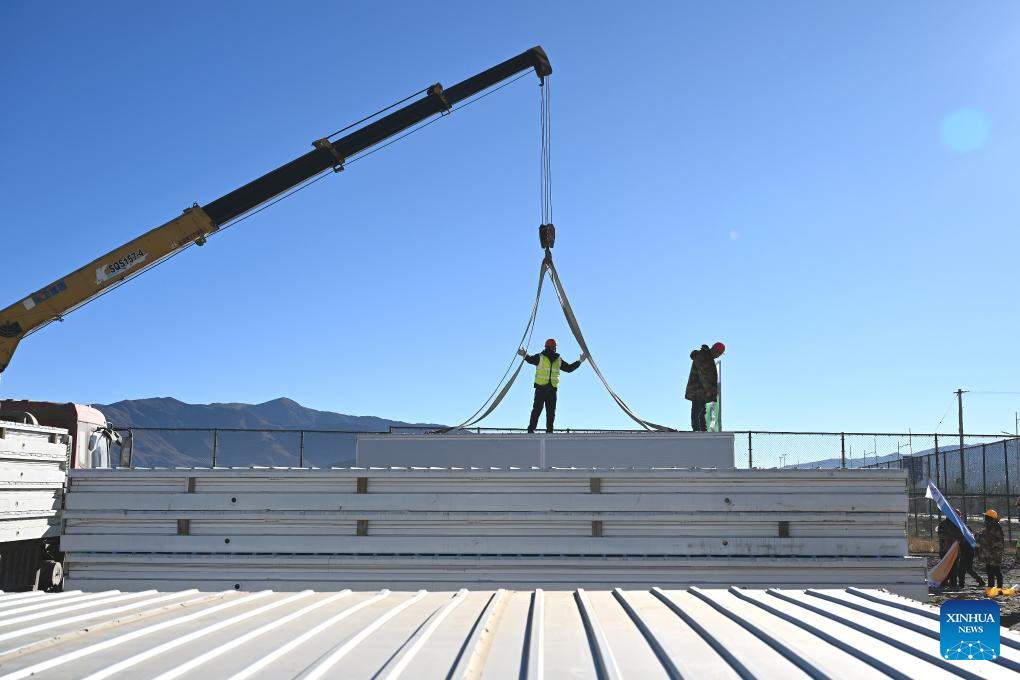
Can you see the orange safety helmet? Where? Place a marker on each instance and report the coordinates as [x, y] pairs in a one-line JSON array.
[[992, 514]]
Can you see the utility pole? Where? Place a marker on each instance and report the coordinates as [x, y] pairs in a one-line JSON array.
[[963, 471]]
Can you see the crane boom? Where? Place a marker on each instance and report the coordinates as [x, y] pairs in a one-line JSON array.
[[198, 222]]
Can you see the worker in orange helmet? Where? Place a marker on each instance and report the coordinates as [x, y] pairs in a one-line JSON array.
[[703, 383], [990, 548], [548, 364]]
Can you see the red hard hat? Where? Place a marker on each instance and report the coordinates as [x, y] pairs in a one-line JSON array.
[[550, 343], [719, 347]]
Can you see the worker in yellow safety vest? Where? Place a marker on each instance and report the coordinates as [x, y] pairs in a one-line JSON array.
[[548, 365]]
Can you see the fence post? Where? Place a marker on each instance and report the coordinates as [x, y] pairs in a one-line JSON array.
[[750, 458], [301, 450], [215, 445], [1009, 506], [939, 481], [930, 522], [984, 481], [842, 450], [963, 478]]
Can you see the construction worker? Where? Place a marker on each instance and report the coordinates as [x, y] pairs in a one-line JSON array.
[[703, 383], [990, 547], [548, 365], [949, 533], [965, 562]]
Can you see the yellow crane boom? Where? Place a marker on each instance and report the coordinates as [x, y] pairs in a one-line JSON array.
[[198, 222]]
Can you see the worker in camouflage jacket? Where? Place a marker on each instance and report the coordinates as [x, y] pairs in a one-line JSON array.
[[703, 383], [990, 544]]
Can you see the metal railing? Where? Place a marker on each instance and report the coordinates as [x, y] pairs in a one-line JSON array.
[[985, 474], [236, 446], [752, 449]]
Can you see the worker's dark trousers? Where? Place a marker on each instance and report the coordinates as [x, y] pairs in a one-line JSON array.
[[698, 416], [994, 573], [545, 396], [965, 565]]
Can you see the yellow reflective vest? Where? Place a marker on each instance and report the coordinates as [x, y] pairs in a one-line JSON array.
[[548, 371]]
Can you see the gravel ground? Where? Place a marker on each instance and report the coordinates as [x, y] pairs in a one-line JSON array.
[[1008, 606]]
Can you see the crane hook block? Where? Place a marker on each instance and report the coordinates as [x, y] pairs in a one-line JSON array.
[[547, 235]]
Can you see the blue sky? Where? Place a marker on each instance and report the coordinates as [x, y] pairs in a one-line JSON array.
[[831, 189]]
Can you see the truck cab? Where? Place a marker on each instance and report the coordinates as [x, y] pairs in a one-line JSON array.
[[94, 444], [39, 443]]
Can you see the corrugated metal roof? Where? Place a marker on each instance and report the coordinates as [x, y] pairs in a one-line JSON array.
[[720, 633]]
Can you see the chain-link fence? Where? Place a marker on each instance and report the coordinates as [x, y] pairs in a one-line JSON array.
[[983, 474], [232, 447]]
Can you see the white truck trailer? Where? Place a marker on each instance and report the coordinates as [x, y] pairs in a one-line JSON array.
[[39, 443]]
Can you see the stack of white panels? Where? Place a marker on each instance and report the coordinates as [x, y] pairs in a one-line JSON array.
[[32, 472], [448, 528], [562, 449]]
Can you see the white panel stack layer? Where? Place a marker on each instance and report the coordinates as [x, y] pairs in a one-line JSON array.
[[289, 529], [33, 460], [562, 449]]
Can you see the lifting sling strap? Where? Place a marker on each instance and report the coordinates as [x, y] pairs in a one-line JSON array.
[[575, 328], [499, 393]]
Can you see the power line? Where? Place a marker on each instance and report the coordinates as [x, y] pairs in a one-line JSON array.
[[944, 415]]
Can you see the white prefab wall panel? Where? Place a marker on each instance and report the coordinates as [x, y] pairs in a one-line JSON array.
[[561, 449], [33, 461], [451, 528]]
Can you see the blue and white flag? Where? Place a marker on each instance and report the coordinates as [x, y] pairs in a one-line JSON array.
[[947, 510]]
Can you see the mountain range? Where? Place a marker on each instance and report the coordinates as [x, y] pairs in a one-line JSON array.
[[329, 438]]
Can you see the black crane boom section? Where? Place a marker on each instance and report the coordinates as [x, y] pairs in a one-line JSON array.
[[323, 157]]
